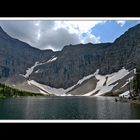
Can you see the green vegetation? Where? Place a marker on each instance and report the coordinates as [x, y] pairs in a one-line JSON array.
[[136, 83], [6, 91], [135, 94]]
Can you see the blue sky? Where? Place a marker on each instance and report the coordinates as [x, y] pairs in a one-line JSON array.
[[55, 34], [111, 30]]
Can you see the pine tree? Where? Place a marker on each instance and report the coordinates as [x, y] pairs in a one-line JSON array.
[[136, 83]]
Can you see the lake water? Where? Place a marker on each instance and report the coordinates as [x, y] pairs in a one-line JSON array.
[[67, 108]]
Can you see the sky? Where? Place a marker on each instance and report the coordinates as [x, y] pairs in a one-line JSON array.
[[52, 34]]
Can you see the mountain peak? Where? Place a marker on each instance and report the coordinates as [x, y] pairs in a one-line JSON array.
[[3, 34], [1, 29], [132, 33]]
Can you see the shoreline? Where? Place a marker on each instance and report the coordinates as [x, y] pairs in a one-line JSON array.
[[134, 101], [131, 101]]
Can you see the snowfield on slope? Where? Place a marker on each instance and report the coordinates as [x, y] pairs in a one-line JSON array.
[[30, 70], [109, 79], [59, 91], [48, 89], [52, 59], [104, 84], [128, 81]]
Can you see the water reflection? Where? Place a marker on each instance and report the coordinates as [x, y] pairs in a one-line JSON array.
[[109, 109], [67, 108], [135, 111]]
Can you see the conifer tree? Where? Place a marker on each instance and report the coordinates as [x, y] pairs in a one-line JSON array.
[[136, 83]]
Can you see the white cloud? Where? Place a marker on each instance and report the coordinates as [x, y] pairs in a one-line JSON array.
[[80, 27], [52, 34], [77, 26], [90, 38], [57, 39], [121, 22]]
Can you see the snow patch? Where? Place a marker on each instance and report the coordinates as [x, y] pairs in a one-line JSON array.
[[131, 78], [125, 94], [135, 71], [37, 71], [128, 81], [87, 77], [52, 59], [30, 70], [50, 90], [117, 76], [111, 78], [42, 92], [100, 87], [29, 83], [59, 91], [82, 80], [125, 84], [105, 89]]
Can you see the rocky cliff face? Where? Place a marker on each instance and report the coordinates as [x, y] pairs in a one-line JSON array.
[[65, 68], [124, 52], [72, 64], [16, 56]]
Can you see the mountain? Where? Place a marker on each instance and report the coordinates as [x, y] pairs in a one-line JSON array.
[[83, 69], [16, 56], [72, 64]]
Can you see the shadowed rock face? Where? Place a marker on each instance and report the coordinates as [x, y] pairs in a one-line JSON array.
[[73, 62], [16, 56]]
